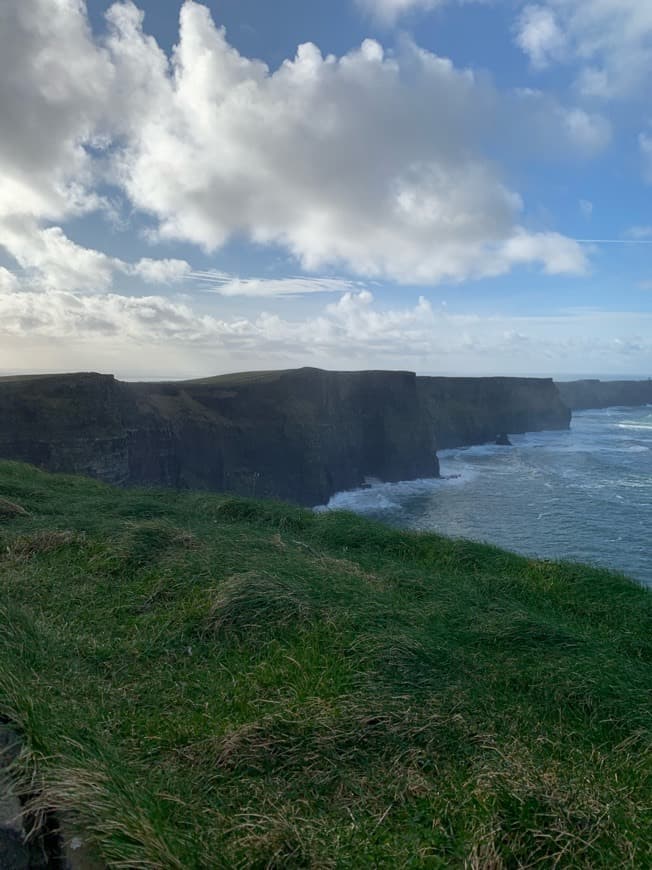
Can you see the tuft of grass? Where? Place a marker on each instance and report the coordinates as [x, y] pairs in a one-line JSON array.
[[8, 509], [253, 601], [200, 681], [26, 546]]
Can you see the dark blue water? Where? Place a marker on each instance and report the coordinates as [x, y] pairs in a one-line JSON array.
[[584, 494]]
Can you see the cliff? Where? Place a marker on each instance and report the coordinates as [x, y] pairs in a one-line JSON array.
[[67, 423], [466, 411], [579, 395], [298, 435]]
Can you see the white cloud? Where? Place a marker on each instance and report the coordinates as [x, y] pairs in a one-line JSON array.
[[370, 163], [8, 281], [153, 319], [54, 83], [54, 260], [160, 271], [231, 285], [559, 254], [388, 11], [157, 336], [50, 260], [540, 36], [307, 157], [610, 41]]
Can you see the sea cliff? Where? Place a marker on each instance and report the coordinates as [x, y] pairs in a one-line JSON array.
[[466, 411], [580, 395], [299, 435]]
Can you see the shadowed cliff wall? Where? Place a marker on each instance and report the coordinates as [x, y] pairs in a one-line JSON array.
[[298, 435], [579, 395], [468, 411]]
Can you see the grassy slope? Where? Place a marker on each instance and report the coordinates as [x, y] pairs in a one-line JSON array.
[[215, 682]]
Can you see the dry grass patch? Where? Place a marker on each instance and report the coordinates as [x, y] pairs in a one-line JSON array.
[[27, 546], [9, 509]]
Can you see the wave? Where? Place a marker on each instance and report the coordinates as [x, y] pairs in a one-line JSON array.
[[583, 493], [384, 497]]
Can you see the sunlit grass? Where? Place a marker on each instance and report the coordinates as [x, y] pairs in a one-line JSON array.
[[202, 681]]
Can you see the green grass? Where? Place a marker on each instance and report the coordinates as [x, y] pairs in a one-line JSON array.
[[203, 682]]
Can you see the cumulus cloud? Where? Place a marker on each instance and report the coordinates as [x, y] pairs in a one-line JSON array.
[[370, 163], [50, 260], [367, 162], [53, 259], [54, 84], [78, 316], [610, 40]]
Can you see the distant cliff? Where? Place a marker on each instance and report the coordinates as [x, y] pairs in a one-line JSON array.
[[298, 435], [579, 395], [467, 411]]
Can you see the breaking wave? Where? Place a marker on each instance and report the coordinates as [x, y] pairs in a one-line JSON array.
[[583, 494]]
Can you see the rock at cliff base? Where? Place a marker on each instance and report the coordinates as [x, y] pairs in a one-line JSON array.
[[9, 509], [14, 854], [503, 440]]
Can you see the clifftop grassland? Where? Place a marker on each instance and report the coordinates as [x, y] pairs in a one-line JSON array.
[[205, 681]]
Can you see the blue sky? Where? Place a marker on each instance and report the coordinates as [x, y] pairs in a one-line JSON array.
[[445, 186]]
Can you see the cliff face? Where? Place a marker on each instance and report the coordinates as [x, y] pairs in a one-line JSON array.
[[579, 395], [66, 423], [467, 411], [299, 435]]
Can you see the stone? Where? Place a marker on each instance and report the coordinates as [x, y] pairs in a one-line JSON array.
[[14, 852]]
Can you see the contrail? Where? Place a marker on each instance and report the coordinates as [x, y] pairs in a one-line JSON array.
[[614, 241]]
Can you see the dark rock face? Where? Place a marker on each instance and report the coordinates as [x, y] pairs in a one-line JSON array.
[[468, 411], [66, 423], [298, 435], [579, 395]]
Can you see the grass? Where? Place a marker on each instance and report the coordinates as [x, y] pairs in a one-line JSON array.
[[204, 682]]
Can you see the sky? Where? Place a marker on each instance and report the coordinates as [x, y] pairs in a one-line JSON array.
[[443, 186]]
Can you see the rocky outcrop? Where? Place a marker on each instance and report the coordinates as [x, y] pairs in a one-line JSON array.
[[298, 435], [579, 395], [466, 411], [50, 843]]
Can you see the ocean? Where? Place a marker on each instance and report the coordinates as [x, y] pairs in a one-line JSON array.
[[583, 494]]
